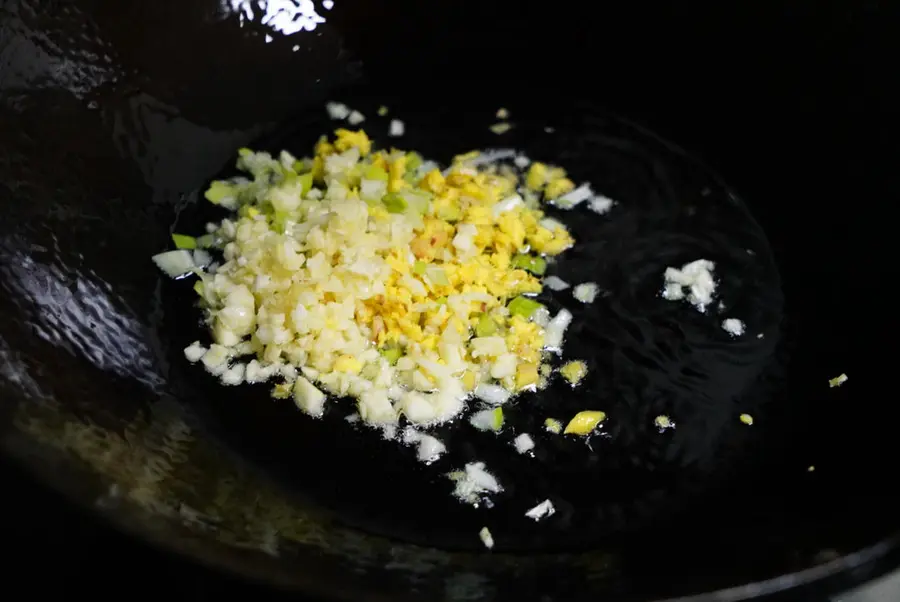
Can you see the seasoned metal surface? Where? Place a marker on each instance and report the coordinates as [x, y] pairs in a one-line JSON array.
[[113, 115]]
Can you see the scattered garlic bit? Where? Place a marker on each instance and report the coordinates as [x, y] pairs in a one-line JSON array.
[[201, 258], [663, 422], [521, 161], [175, 263], [371, 274], [389, 432], [586, 292], [486, 538], [733, 326], [837, 381], [556, 284], [308, 398], [355, 118], [216, 359], [502, 113], [500, 128], [574, 197], [487, 420], [696, 276], [523, 443], [541, 317], [600, 204], [473, 483], [549, 129], [584, 422], [337, 110], [234, 375], [194, 352], [397, 128], [382, 111], [574, 371], [811, 469], [352, 418], [492, 394], [428, 448], [256, 372], [542, 510], [552, 425], [747, 419], [553, 334]]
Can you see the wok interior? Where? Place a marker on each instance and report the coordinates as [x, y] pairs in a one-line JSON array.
[[94, 384], [646, 358]]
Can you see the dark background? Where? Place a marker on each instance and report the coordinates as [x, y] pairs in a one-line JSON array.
[[796, 91]]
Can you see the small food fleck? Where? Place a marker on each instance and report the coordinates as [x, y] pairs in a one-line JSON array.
[[542, 510], [234, 375], [501, 128], [574, 197], [584, 422], [428, 448], [586, 292], [355, 118], [837, 381], [552, 425], [183, 241], [574, 371], [558, 187], [473, 483], [535, 264], [601, 204], [194, 352], [733, 326], [811, 469], [523, 307], [523, 443], [337, 110], [747, 419], [487, 420], [697, 278], [486, 538], [175, 263], [555, 283], [502, 113], [382, 111], [397, 128], [663, 422]]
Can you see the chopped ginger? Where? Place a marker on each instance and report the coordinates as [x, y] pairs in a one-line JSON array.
[[584, 422], [574, 371]]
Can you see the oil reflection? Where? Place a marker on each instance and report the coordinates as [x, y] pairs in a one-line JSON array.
[[173, 153], [284, 16], [76, 313], [14, 371], [30, 58]]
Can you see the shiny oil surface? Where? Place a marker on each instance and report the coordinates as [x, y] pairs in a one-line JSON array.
[[113, 116]]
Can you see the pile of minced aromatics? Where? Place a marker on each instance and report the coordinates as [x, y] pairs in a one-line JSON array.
[[373, 274]]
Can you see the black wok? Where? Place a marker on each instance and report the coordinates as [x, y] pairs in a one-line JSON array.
[[114, 115]]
